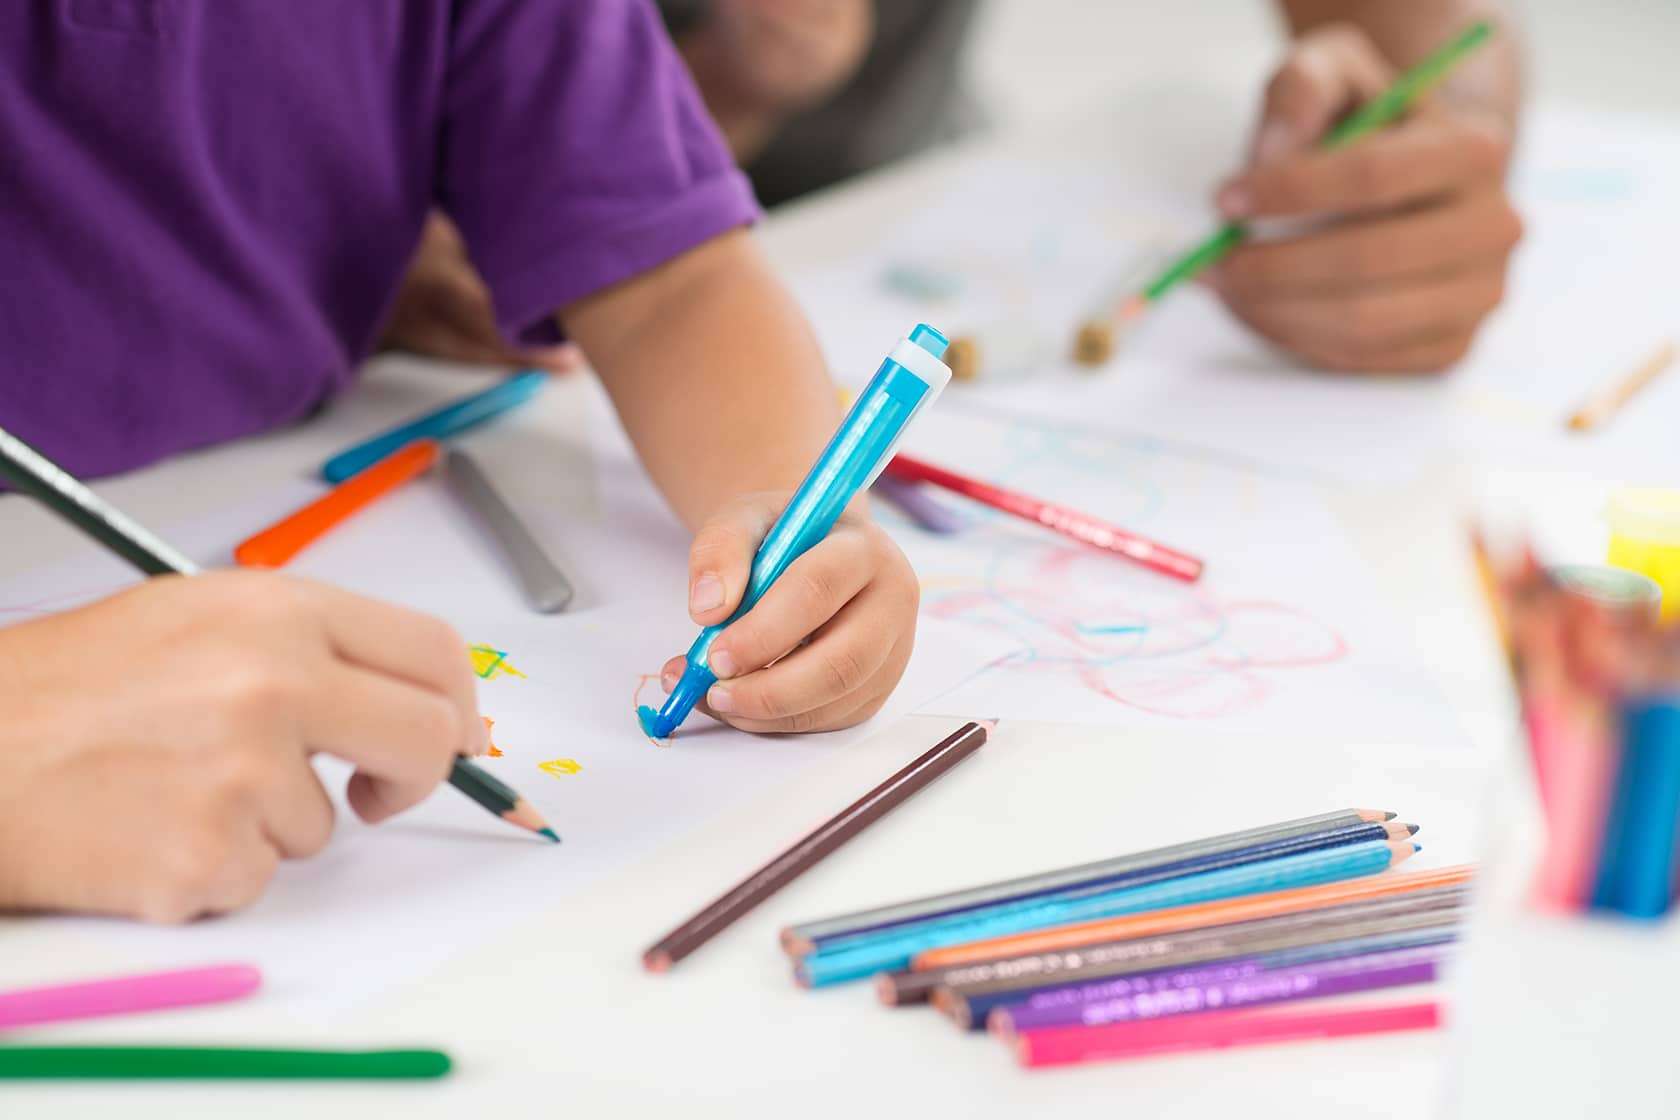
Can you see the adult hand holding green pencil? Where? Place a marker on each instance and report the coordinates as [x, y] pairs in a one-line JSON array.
[[1400, 226]]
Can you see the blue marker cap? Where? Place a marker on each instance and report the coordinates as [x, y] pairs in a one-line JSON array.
[[930, 340]]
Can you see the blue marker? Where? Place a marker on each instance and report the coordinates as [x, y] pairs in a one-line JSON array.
[[445, 422], [907, 382]]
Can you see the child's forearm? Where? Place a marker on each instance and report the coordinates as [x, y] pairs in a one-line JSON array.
[[715, 373]]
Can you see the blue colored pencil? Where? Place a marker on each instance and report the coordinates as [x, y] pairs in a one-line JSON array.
[[451, 419], [1343, 836], [1637, 875], [1340, 836], [896, 946]]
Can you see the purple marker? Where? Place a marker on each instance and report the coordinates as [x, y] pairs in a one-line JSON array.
[[1238, 984], [913, 500]]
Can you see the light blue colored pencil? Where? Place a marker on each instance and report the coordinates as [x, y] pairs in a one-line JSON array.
[[854, 958], [451, 419]]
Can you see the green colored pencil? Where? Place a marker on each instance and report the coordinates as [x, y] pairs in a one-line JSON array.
[[81, 1063], [1096, 338]]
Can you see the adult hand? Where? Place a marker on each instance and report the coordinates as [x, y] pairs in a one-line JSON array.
[[444, 310], [828, 641], [1401, 238], [155, 746]]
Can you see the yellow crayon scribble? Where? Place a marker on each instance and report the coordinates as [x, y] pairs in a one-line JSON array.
[[490, 663], [559, 767], [490, 726]]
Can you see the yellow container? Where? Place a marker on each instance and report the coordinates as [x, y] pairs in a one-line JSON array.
[[1645, 538]]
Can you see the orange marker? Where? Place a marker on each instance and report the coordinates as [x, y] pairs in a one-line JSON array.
[[275, 545]]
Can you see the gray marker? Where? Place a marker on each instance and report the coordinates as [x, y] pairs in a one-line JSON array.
[[546, 587]]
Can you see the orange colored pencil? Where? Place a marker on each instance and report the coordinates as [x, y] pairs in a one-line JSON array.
[[279, 543], [1607, 404], [1220, 912]]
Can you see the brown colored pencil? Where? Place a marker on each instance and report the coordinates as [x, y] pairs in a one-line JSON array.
[[798, 859], [954, 1000], [1155, 940], [1607, 404]]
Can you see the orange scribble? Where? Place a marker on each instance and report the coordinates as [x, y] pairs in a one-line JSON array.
[[489, 726]]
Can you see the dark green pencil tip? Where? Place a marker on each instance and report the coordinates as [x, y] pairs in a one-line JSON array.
[[550, 833]]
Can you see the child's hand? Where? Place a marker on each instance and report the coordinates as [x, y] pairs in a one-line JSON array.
[[154, 747], [1411, 227], [853, 596]]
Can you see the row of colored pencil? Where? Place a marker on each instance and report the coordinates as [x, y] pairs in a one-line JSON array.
[[1599, 682], [1176, 948]]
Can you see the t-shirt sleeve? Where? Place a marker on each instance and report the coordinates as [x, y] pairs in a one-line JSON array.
[[575, 152]]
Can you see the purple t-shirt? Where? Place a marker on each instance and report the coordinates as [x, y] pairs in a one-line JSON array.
[[206, 206]]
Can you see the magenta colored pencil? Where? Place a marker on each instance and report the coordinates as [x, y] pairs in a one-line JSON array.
[[121, 995], [1222, 989], [1056, 1046], [913, 501]]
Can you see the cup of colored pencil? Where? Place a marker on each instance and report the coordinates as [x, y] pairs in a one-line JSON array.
[[1216, 942], [1599, 684]]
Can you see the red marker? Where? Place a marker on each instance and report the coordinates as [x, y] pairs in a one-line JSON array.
[[1068, 522]]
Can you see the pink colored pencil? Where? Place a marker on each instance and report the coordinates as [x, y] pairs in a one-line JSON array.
[[1057, 1046], [121, 995], [1068, 522], [1582, 769]]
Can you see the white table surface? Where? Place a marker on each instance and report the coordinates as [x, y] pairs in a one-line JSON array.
[[556, 1018]]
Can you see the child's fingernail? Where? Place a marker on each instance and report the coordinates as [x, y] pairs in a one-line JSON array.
[[668, 681], [718, 699], [1234, 201], [1276, 140], [723, 665], [706, 594]]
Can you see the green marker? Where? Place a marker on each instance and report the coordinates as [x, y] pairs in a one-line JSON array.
[[1096, 339], [198, 1063]]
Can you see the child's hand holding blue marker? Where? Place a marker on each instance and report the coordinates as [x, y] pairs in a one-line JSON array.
[[854, 595], [810, 629]]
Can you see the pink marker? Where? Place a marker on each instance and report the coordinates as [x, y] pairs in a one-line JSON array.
[[1055, 1046], [121, 995]]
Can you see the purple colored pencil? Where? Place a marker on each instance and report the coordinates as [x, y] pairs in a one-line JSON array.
[[1232, 985], [913, 501]]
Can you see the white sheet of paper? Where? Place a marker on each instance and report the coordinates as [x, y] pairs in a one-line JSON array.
[[380, 905], [1285, 634]]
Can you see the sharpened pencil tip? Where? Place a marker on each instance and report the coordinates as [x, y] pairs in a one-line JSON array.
[[550, 833], [1416, 848], [1411, 830]]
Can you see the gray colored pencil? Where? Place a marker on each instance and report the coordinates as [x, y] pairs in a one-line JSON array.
[[801, 939], [546, 588], [1326, 923]]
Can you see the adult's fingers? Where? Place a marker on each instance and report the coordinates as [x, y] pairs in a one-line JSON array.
[[812, 591], [396, 642], [401, 738], [1329, 70], [721, 555], [1431, 155], [1403, 329], [1410, 245]]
